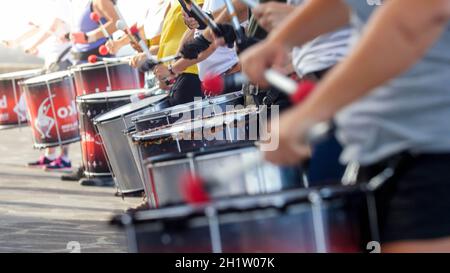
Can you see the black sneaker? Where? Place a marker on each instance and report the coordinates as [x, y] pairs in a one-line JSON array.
[[42, 162], [97, 182], [74, 176]]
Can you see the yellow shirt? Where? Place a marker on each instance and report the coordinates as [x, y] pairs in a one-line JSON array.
[[172, 32]]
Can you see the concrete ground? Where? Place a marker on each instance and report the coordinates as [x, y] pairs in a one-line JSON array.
[[41, 213]]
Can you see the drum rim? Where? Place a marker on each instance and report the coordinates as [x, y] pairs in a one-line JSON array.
[[33, 81], [277, 200], [165, 132], [88, 66], [99, 120], [8, 76], [87, 97], [56, 144], [184, 108]]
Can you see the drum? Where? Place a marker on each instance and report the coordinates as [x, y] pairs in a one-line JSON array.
[[89, 107], [166, 172], [13, 110], [188, 111], [106, 76], [298, 221], [53, 113], [127, 174], [234, 127]]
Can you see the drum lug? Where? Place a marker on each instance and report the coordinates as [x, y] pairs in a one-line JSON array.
[[318, 221], [214, 229]]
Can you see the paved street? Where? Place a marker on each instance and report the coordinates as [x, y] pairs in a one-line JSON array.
[[41, 213]]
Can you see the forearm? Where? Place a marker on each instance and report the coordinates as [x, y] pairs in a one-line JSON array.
[[41, 39], [98, 34], [30, 33], [310, 20], [394, 41]]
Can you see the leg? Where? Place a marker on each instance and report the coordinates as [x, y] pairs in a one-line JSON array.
[[413, 207]]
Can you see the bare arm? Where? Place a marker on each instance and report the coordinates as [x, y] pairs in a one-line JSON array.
[[394, 40], [105, 8], [48, 33], [27, 35], [400, 37], [314, 18]]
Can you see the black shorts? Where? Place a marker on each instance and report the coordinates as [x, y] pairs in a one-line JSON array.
[[185, 89], [415, 203]]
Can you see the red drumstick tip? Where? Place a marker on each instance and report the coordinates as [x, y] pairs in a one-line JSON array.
[[193, 190], [134, 29], [95, 17], [141, 96], [103, 50], [213, 84], [92, 59], [303, 90]]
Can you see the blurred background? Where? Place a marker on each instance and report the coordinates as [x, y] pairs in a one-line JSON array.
[[15, 16]]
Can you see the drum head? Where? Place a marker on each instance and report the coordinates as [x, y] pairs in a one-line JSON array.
[[181, 128], [131, 108], [192, 106], [108, 96], [100, 64], [48, 78], [21, 74]]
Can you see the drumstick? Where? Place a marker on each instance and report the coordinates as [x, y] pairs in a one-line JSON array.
[[250, 3], [204, 17], [215, 84], [240, 36], [96, 18], [195, 188], [94, 58], [121, 25], [103, 50], [134, 30]]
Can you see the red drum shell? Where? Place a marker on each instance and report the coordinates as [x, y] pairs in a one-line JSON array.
[[106, 76], [10, 95], [53, 113]]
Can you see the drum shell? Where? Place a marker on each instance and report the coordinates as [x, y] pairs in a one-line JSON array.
[[10, 95], [166, 173], [102, 76], [261, 228], [52, 110], [127, 173], [95, 161]]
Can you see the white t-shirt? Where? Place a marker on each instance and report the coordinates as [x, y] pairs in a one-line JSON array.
[[154, 18], [323, 52], [54, 46], [223, 58]]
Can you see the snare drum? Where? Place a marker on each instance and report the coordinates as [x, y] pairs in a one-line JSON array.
[[106, 76], [188, 111], [234, 127], [166, 172], [53, 113], [111, 126], [13, 110], [89, 107], [307, 221]]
